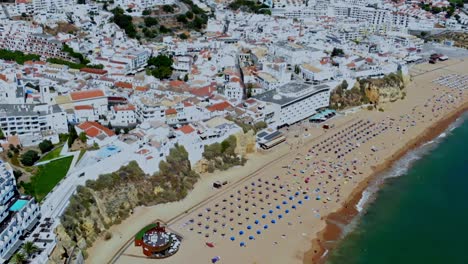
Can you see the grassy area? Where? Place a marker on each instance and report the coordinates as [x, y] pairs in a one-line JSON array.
[[52, 154], [47, 177], [82, 152]]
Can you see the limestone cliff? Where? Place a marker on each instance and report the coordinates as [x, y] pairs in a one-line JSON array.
[[112, 197], [374, 91]]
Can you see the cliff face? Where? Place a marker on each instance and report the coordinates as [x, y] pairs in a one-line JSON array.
[[388, 89], [110, 199], [231, 152], [375, 91]]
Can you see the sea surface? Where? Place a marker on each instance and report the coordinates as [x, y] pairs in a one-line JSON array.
[[420, 213]]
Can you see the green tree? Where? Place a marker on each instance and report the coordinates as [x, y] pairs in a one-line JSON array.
[[150, 21], [46, 146], [18, 258], [164, 29], [182, 18], [146, 12], [72, 135], [186, 78], [29, 158], [124, 22], [189, 15], [83, 138], [162, 66], [2, 135], [168, 9], [29, 248], [183, 36], [337, 52], [260, 125]]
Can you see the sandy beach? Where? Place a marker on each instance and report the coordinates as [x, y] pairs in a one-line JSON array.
[[286, 205]]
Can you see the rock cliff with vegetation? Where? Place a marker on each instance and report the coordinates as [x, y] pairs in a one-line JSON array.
[[111, 198], [369, 91]]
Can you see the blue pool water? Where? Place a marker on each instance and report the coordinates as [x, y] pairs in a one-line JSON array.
[[108, 151], [18, 205]]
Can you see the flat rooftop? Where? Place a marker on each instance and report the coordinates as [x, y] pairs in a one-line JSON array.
[[290, 92]]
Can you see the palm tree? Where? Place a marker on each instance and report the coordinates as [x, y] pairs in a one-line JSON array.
[[18, 258], [29, 248]]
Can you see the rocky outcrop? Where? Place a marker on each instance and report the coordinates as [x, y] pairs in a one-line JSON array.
[[112, 197], [370, 91]]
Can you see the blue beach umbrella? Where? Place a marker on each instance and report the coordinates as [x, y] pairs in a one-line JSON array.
[[291, 198], [241, 232], [284, 202], [259, 232], [271, 211], [249, 227], [242, 244], [251, 237], [265, 227], [287, 211], [278, 207], [306, 197], [233, 238], [263, 216], [256, 222], [299, 202], [273, 221], [293, 207], [297, 193], [280, 216]]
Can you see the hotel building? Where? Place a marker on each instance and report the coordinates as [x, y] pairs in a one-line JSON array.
[[18, 214]]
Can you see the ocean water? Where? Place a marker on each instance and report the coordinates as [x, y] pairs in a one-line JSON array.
[[420, 213]]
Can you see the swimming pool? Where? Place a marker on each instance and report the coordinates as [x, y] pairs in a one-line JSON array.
[[108, 151], [18, 205]]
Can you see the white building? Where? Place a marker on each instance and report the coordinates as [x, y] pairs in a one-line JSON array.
[[32, 122], [18, 214], [294, 102], [123, 116]]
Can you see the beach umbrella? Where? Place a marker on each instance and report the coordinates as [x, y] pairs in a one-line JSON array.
[[287, 211], [265, 226], [273, 221], [271, 211], [249, 227], [233, 238], [278, 207], [284, 202], [280, 216], [241, 232], [256, 222], [215, 259], [293, 207], [297, 193], [251, 237], [306, 197], [242, 244], [299, 202], [263, 216], [291, 198]]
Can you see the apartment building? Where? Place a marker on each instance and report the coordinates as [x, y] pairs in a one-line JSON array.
[[18, 214], [294, 102], [32, 122], [123, 116]]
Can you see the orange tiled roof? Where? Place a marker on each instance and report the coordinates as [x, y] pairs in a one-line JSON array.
[[84, 107], [93, 129], [171, 111], [187, 129], [94, 71], [219, 106], [125, 85], [88, 94]]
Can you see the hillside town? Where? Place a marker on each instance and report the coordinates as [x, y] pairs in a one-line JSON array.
[[91, 86]]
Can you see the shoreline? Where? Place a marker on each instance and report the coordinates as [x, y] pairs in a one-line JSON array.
[[331, 235]]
